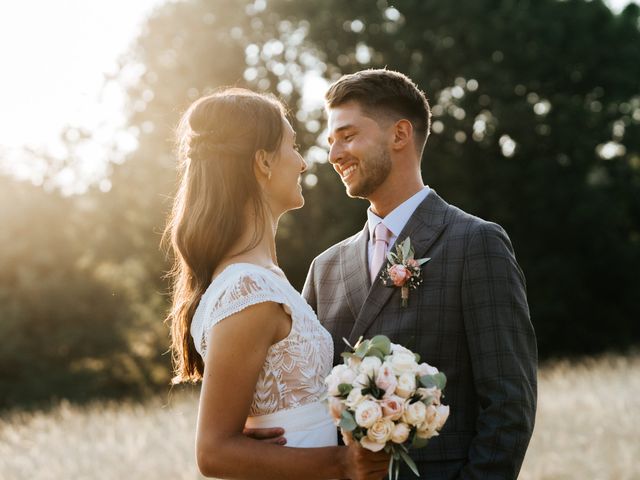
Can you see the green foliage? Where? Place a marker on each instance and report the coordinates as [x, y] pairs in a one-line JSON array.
[[560, 80], [347, 422], [536, 110], [344, 389], [65, 326], [438, 380]]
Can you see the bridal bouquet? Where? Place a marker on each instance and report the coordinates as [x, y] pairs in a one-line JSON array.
[[386, 399]]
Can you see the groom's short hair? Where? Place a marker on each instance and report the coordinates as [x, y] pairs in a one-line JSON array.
[[385, 94]]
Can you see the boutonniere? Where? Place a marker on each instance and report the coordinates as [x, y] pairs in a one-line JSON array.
[[403, 270]]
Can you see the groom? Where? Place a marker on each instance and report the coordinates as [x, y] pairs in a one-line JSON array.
[[469, 317]]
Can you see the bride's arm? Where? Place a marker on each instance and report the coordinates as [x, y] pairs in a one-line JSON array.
[[236, 354]]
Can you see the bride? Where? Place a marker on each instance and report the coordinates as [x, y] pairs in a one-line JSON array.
[[237, 324]]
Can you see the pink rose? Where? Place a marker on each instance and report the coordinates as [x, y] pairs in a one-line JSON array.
[[399, 274], [412, 263], [386, 380], [392, 407]]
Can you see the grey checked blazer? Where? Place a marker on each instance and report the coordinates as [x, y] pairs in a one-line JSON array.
[[469, 318]]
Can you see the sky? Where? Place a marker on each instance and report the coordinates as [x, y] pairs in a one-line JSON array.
[[55, 55]]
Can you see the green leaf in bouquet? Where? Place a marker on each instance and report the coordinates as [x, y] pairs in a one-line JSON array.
[[373, 390], [419, 442], [382, 343], [344, 389], [441, 380], [416, 397], [438, 380], [410, 463], [347, 422], [362, 349], [422, 261], [375, 352], [417, 355]]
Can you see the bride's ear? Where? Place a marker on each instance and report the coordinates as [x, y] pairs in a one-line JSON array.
[[262, 165]]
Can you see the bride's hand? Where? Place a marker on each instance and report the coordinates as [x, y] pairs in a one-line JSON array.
[[363, 464]]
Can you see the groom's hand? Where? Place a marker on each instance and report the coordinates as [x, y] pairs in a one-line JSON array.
[[269, 435]]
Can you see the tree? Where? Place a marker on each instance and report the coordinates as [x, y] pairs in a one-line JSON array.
[[536, 112]]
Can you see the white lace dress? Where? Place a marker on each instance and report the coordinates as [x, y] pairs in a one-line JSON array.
[[292, 379]]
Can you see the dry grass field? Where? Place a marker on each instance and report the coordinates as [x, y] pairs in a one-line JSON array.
[[588, 428]]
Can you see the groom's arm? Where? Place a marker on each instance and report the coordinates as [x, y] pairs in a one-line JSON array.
[[503, 354], [309, 289]]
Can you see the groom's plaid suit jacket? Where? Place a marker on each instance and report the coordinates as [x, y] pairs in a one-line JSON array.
[[469, 318]]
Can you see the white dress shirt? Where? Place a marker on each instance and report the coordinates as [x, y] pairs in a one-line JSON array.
[[396, 220]]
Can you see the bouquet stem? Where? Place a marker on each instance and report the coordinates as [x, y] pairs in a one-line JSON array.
[[405, 295]]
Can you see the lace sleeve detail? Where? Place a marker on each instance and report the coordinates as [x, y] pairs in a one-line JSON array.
[[239, 291]]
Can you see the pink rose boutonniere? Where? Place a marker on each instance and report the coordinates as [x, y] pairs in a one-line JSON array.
[[403, 270]]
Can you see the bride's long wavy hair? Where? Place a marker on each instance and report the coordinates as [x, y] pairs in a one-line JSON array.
[[217, 140]]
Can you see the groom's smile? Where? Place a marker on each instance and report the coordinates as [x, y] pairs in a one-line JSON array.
[[345, 173]]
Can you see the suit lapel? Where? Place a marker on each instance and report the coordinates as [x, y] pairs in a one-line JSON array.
[[423, 228], [355, 271]]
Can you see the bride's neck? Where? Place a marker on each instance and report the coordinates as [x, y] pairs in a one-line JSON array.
[[245, 249]]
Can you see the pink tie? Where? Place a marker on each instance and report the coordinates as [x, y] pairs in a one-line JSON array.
[[381, 236]]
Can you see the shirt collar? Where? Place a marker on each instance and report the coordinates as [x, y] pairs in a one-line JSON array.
[[396, 220]]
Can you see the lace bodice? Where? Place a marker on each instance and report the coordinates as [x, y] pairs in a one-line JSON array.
[[295, 367]]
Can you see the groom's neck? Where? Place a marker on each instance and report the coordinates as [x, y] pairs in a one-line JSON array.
[[394, 192]]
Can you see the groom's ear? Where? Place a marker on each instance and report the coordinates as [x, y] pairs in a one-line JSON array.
[[402, 134]]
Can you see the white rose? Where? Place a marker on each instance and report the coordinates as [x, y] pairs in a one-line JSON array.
[[414, 413], [339, 374], [361, 381], [403, 362], [367, 413], [369, 444], [434, 420], [347, 376], [427, 428], [406, 385], [380, 432], [426, 369], [441, 416], [426, 431], [395, 348], [332, 382], [370, 366], [338, 369], [354, 398], [400, 433], [434, 393], [430, 415]]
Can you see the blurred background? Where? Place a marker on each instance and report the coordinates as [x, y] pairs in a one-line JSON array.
[[536, 126]]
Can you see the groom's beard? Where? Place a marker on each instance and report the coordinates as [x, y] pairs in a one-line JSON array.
[[373, 170]]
